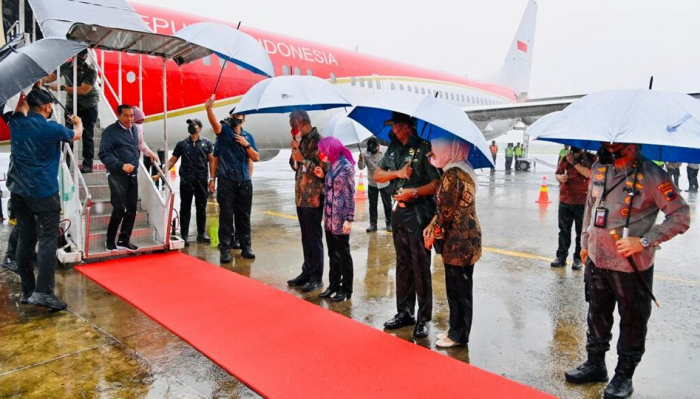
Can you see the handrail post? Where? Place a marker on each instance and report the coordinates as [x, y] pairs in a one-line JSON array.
[[165, 107], [141, 82]]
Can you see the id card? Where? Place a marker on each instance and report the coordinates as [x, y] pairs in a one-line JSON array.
[[601, 217], [303, 168]]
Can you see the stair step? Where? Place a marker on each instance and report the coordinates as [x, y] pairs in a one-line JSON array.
[[96, 178], [97, 191], [138, 234], [100, 222], [98, 250], [104, 207]]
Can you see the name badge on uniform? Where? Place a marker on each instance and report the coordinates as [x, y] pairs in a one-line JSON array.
[[600, 219], [303, 168]]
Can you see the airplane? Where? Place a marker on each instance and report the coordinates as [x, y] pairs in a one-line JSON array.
[[491, 103]]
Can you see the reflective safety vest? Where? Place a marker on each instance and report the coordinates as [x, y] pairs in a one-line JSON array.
[[519, 151], [509, 152], [563, 153], [660, 163]]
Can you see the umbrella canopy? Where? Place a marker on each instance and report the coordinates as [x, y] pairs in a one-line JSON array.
[[666, 124], [436, 119], [27, 65], [289, 93], [231, 45], [346, 130]]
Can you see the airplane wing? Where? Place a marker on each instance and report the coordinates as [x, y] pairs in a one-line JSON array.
[[528, 112]]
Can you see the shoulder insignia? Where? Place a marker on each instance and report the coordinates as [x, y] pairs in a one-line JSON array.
[[640, 176], [600, 177], [624, 212], [411, 152], [666, 188], [603, 169]]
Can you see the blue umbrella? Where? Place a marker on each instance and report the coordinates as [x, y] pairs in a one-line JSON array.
[[667, 125], [436, 119]]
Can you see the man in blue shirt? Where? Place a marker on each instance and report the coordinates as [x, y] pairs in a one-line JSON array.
[[234, 148], [119, 151], [33, 182]]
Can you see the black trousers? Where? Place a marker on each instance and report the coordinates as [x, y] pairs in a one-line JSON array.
[[198, 189], [89, 118], [604, 289], [509, 162], [675, 175], [124, 196], [459, 285], [312, 241], [494, 156], [568, 215], [37, 221], [692, 178], [12, 244], [413, 276], [340, 273], [373, 194], [235, 199]]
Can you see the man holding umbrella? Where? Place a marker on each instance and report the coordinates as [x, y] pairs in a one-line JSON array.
[[414, 182], [626, 189]]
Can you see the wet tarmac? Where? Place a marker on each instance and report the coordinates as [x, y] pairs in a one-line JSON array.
[[529, 319]]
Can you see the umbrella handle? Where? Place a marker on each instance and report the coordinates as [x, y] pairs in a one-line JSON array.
[[213, 95]]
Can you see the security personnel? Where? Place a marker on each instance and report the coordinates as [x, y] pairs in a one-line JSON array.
[[234, 149], [509, 156], [197, 162], [88, 100], [518, 155], [494, 153], [370, 159], [610, 279], [33, 182], [414, 182]]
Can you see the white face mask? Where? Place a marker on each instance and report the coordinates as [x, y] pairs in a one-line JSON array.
[[139, 128]]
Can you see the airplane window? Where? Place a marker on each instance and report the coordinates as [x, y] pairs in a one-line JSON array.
[[362, 82], [297, 71], [393, 86], [353, 81], [379, 85], [285, 70], [400, 86], [207, 60], [369, 83], [422, 90], [463, 99], [333, 78], [415, 89], [309, 72], [409, 89], [440, 95]]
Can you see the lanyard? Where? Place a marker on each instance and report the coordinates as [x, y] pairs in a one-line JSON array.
[[605, 182]]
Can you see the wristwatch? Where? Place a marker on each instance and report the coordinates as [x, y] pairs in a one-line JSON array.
[[645, 243], [212, 179], [415, 193], [248, 146]]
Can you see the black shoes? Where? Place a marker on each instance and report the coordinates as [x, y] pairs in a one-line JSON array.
[[298, 280], [24, 299], [248, 253], [236, 244], [10, 265], [187, 243], [312, 285], [110, 246], [225, 256], [558, 262], [328, 292], [590, 371], [388, 227], [47, 300], [400, 320], [372, 228], [619, 387], [126, 245], [421, 330], [578, 265], [203, 238], [341, 296], [85, 169]]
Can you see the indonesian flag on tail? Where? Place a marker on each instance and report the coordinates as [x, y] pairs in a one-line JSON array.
[[522, 46]]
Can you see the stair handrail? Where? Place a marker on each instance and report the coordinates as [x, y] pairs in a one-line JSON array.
[[166, 199], [101, 73], [88, 197]]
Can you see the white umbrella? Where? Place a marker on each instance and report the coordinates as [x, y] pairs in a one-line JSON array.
[[667, 125], [436, 118], [346, 130], [289, 93], [231, 45]]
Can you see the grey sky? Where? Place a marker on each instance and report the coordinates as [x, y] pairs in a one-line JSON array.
[[580, 46]]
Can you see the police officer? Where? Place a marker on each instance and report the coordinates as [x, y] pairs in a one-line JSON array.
[[197, 162], [88, 100], [414, 183], [32, 180], [573, 174], [234, 149], [371, 159], [509, 156], [610, 277]]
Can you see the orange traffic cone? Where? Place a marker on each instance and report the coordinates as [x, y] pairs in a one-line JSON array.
[[361, 192], [544, 195]]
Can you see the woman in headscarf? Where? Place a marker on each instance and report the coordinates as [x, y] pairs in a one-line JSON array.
[[457, 228], [139, 119], [339, 213]]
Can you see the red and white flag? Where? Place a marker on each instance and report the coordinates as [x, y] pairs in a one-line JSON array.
[[522, 46]]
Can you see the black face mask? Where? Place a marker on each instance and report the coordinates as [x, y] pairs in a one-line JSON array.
[[608, 158], [372, 148], [191, 129], [235, 122]]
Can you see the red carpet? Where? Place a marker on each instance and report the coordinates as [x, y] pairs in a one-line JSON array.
[[282, 346]]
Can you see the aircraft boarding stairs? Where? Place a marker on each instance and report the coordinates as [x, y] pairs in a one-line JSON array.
[[89, 212]]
